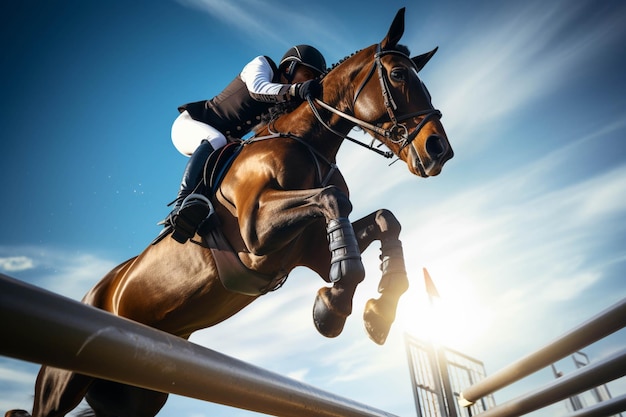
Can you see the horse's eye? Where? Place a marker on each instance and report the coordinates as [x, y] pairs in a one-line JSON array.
[[398, 74]]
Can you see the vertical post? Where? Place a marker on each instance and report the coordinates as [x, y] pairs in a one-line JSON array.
[[439, 380], [412, 368], [442, 363], [600, 393], [440, 356], [574, 401]]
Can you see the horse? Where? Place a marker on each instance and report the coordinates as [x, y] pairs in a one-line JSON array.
[[283, 203]]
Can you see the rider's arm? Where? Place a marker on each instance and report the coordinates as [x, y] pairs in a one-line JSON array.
[[257, 75]]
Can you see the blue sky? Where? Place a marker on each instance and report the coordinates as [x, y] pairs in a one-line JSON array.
[[523, 232]]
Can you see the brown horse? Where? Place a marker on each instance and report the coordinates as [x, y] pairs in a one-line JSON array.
[[283, 203]]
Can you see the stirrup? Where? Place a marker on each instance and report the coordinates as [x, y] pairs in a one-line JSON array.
[[193, 210]]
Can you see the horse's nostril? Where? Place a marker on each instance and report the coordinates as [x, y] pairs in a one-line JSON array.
[[434, 146]]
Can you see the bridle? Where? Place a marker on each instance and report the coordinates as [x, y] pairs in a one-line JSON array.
[[398, 133]]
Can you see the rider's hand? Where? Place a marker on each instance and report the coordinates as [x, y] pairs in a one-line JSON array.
[[310, 88]]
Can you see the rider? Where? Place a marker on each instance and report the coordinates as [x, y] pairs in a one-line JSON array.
[[203, 126]]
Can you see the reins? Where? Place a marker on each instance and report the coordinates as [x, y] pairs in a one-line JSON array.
[[361, 123], [398, 133]]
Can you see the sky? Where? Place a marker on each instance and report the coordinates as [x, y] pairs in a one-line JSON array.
[[523, 232]]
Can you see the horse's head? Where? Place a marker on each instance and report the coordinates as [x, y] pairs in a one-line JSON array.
[[390, 97]]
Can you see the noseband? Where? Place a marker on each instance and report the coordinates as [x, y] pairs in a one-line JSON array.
[[398, 133]]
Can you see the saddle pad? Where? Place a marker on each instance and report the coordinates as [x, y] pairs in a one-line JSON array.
[[234, 275]]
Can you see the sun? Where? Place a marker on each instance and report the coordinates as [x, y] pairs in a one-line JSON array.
[[455, 319]]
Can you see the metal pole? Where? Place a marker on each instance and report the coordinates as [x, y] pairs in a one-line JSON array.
[[606, 370], [438, 382], [603, 409], [574, 401], [594, 329], [442, 364], [43, 327], [413, 369]]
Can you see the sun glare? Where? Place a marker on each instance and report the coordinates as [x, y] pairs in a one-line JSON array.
[[455, 319]]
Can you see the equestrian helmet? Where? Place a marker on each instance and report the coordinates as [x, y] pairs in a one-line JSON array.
[[303, 55]]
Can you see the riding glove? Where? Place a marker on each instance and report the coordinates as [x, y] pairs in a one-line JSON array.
[[308, 88]]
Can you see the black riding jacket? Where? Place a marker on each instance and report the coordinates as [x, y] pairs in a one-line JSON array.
[[238, 108]]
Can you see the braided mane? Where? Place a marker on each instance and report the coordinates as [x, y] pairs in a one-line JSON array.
[[400, 48]]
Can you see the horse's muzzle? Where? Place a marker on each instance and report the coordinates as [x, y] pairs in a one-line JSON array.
[[435, 147], [438, 151]]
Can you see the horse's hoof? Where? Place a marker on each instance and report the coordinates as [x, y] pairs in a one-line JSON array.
[[328, 321], [378, 317], [17, 413]]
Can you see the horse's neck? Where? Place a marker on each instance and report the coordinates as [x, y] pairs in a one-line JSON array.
[[338, 92], [303, 124]]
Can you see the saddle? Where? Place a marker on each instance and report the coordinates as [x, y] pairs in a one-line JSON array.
[[233, 274], [217, 165]]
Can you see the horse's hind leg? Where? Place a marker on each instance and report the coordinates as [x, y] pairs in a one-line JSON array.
[[112, 399], [57, 391], [380, 313]]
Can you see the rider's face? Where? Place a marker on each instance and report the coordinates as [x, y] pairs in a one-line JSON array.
[[303, 73]]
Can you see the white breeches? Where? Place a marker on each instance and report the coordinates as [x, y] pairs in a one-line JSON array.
[[188, 133]]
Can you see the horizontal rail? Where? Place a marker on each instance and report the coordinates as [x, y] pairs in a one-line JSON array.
[[603, 324], [602, 409], [583, 379], [43, 327]]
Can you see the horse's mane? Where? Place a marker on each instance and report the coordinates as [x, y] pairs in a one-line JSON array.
[[400, 48], [283, 108]]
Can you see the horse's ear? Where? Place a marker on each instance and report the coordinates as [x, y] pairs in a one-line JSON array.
[[395, 31], [422, 60]]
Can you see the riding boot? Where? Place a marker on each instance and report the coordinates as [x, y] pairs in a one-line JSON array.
[[191, 208]]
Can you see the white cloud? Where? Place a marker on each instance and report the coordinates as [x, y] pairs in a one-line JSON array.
[[244, 15], [298, 374], [16, 376], [510, 249], [16, 263], [270, 22], [516, 59], [69, 273]]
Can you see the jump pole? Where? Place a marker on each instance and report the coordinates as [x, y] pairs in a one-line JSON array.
[[42, 327], [603, 324], [588, 377], [602, 409]]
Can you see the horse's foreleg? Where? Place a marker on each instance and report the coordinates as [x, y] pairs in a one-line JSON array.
[[380, 313], [334, 304], [281, 216]]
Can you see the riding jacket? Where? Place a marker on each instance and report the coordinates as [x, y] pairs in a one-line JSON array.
[[239, 107]]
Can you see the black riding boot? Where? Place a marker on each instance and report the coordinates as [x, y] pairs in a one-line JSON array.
[[191, 208]]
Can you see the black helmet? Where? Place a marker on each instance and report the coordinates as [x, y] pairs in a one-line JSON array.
[[303, 55]]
